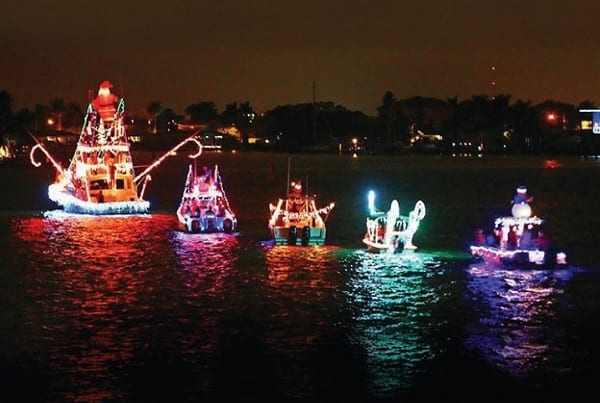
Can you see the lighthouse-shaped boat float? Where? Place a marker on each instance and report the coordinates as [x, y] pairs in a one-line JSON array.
[[100, 178], [388, 232]]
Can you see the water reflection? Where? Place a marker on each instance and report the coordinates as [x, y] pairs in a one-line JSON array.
[[517, 329], [206, 296], [91, 291], [203, 261], [392, 298], [301, 296]]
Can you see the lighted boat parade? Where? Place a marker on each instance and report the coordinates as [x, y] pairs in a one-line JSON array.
[[517, 240], [296, 220], [388, 232], [204, 206], [100, 178]]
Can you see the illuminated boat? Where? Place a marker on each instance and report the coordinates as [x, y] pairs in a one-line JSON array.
[[388, 232], [100, 178], [517, 240], [204, 206], [296, 220]]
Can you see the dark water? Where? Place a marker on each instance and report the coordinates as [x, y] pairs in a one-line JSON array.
[[130, 309]]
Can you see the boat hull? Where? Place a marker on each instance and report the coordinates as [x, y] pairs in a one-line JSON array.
[[74, 205], [524, 258], [379, 247], [207, 225], [299, 236]]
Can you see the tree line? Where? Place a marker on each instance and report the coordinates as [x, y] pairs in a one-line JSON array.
[[492, 124]]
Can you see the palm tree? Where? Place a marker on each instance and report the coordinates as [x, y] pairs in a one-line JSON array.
[[57, 109], [154, 109], [202, 112], [244, 121], [386, 113]]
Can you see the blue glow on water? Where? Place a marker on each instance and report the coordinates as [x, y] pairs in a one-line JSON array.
[[392, 298], [515, 325]]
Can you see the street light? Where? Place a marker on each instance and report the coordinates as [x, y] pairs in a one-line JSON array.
[[552, 117]]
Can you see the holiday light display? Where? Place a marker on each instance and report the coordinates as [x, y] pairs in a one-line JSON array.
[[519, 239], [389, 231], [204, 205], [100, 178], [296, 220]]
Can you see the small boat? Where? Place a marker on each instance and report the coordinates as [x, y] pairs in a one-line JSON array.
[[388, 232], [518, 239], [204, 207], [296, 220], [100, 178]]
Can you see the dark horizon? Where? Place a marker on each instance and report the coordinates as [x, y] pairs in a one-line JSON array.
[[181, 112]]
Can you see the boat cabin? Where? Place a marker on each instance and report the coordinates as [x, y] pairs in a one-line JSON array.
[[102, 190]]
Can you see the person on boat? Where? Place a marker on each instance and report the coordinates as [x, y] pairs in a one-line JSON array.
[[100, 197], [501, 233], [542, 240], [526, 241], [194, 205], [479, 237], [380, 231], [105, 102], [207, 175], [512, 238], [112, 172], [187, 208]]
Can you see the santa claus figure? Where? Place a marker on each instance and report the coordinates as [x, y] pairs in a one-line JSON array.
[[296, 203], [105, 103], [296, 188]]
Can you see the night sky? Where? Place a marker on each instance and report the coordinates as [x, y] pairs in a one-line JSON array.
[[269, 53]]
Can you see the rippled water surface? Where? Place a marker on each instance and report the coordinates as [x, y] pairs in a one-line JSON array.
[[127, 308]]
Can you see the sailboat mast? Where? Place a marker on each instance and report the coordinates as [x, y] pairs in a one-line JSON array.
[[314, 111], [287, 189], [306, 180]]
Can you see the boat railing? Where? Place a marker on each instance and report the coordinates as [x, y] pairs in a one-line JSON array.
[[275, 212], [219, 182]]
